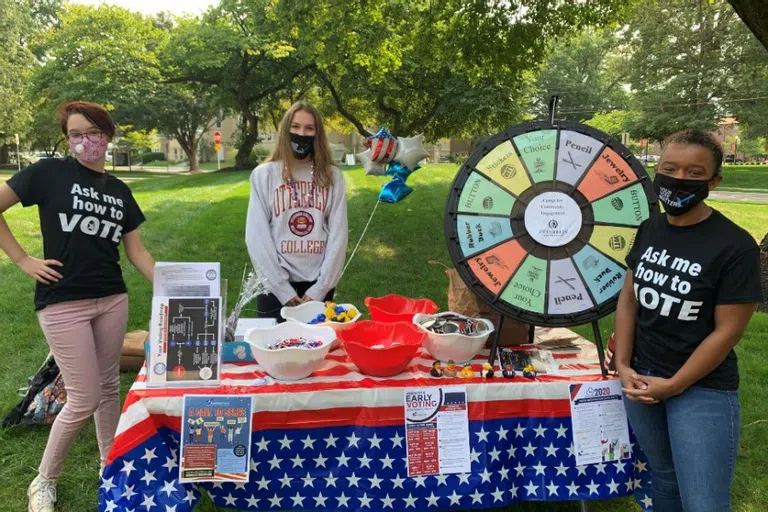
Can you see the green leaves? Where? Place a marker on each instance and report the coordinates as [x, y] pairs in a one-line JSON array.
[[586, 72], [440, 68], [16, 64], [106, 54], [687, 60]]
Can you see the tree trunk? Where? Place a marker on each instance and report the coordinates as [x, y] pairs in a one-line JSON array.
[[250, 136], [188, 144], [191, 151], [5, 154], [754, 14]]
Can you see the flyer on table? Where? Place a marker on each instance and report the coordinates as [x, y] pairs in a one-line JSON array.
[[437, 430], [215, 438], [600, 428]]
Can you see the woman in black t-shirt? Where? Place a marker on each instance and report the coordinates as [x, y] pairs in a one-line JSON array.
[[693, 285], [80, 298]]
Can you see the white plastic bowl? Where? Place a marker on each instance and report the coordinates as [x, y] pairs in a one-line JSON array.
[[456, 347], [305, 313], [290, 363]]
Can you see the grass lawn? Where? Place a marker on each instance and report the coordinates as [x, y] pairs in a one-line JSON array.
[[201, 218], [204, 166], [120, 173], [741, 177]]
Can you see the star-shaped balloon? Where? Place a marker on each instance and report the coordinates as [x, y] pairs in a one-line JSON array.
[[411, 151], [371, 167], [383, 146]]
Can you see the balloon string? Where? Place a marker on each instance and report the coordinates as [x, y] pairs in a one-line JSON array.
[[354, 251]]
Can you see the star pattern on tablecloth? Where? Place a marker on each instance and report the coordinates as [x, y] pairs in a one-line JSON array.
[[365, 468]]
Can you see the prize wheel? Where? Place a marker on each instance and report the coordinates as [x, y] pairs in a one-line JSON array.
[[540, 219]]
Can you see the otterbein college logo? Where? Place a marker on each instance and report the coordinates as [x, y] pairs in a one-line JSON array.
[[301, 223]]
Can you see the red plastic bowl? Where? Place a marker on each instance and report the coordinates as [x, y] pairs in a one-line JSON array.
[[398, 341], [396, 308]]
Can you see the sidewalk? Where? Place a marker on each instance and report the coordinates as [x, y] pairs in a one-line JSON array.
[[179, 169], [755, 197]]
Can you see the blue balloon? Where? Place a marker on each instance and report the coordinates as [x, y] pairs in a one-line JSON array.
[[394, 190], [398, 170]]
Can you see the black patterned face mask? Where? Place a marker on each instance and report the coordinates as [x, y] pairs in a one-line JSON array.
[[302, 145], [679, 196]]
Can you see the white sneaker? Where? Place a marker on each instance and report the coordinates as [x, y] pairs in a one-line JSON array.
[[42, 495]]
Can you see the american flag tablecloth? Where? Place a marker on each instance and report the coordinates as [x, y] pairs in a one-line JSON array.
[[336, 441]]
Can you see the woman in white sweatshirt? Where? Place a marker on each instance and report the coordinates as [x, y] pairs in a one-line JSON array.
[[296, 230]]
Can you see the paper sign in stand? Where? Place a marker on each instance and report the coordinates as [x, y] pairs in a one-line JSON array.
[[186, 332], [185, 341]]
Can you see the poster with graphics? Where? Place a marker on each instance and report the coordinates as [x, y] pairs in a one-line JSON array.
[[600, 428], [185, 338], [540, 219], [215, 438], [437, 430]]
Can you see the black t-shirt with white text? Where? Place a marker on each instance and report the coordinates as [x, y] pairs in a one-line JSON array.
[[83, 216], [680, 275]]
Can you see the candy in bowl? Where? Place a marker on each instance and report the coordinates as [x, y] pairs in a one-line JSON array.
[[291, 350], [382, 349], [451, 336], [337, 316]]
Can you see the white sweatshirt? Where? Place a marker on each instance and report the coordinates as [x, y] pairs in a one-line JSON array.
[[293, 241]]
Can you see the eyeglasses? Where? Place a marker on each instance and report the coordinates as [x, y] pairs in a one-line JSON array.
[[77, 138]]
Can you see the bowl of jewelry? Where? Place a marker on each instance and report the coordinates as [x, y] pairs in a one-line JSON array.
[[291, 350], [451, 336]]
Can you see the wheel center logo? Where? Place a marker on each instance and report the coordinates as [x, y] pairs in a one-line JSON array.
[[552, 219], [301, 223]]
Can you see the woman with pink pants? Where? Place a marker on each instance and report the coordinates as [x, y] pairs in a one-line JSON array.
[[80, 298]]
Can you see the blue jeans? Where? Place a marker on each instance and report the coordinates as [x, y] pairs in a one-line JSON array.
[[691, 441]]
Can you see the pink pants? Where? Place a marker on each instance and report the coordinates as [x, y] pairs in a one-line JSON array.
[[86, 338]]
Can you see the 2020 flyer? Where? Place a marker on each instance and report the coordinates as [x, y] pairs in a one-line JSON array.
[[600, 428], [215, 438]]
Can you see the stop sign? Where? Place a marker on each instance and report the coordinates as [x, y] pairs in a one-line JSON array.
[[217, 137]]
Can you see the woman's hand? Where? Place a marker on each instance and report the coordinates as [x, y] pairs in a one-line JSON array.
[[294, 301], [633, 385], [656, 389], [40, 269]]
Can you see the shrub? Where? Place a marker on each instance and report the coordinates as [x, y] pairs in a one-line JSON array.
[[258, 154], [151, 157]]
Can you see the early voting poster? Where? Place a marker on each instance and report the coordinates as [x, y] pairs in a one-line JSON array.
[[215, 438], [437, 430]]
